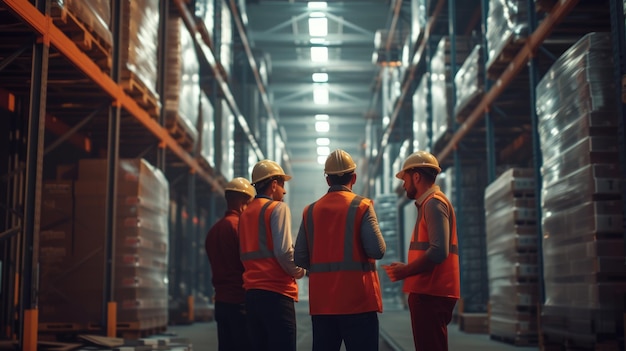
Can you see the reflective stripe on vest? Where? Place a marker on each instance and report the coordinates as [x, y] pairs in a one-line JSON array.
[[263, 251], [347, 264], [423, 246]]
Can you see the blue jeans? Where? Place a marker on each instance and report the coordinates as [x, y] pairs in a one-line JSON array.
[[271, 321], [358, 331]]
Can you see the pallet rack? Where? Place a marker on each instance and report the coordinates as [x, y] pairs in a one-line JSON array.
[[479, 131], [97, 113]]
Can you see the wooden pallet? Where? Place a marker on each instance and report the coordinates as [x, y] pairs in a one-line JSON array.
[[180, 134], [143, 96], [83, 35], [142, 328]]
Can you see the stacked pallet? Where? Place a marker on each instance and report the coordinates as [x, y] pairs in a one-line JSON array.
[[470, 84], [139, 52], [71, 297], [182, 92], [507, 30], [442, 95], [512, 257], [583, 245], [420, 113]]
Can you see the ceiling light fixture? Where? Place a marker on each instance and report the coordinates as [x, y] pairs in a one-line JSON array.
[[323, 150], [320, 77], [322, 127], [318, 26], [317, 5], [322, 117], [319, 54], [320, 94], [322, 141]]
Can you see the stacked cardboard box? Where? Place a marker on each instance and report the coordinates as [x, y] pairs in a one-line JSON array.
[[72, 288], [512, 256], [583, 245]]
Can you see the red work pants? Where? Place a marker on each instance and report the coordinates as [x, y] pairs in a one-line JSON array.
[[430, 316]]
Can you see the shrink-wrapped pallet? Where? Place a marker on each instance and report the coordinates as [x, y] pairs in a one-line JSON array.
[[420, 115], [71, 295], [182, 92], [512, 256], [442, 95], [95, 15], [583, 245], [507, 25], [469, 83], [140, 37]]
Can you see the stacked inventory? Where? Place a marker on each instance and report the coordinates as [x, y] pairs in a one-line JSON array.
[[206, 131], [469, 84], [507, 27], [420, 116], [72, 288], [512, 256], [583, 245], [182, 91], [442, 94], [387, 214], [140, 34]]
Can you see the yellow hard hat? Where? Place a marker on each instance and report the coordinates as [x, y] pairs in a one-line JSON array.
[[419, 159], [339, 163], [266, 169], [241, 185]]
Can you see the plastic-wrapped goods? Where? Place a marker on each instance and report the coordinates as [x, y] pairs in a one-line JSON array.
[[442, 94], [469, 83], [207, 131], [140, 37], [513, 268], [71, 289], [182, 92], [94, 14], [507, 22], [226, 39], [418, 19], [583, 245], [420, 115], [205, 11]]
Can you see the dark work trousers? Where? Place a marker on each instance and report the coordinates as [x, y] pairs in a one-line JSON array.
[[271, 321], [430, 316], [359, 331], [232, 335]]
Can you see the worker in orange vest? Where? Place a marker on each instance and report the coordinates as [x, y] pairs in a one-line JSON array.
[[431, 277], [222, 248], [338, 242], [266, 250]]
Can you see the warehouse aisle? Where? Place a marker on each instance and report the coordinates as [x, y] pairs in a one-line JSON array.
[[395, 328]]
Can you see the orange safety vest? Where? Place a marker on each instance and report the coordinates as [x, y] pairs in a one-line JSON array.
[[444, 279], [342, 279], [262, 270]]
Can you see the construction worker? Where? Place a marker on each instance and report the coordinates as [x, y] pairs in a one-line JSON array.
[[431, 277], [338, 242], [222, 248], [267, 254]]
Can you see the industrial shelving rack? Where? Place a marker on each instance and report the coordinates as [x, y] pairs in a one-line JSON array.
[[97, 114], [478, 132]]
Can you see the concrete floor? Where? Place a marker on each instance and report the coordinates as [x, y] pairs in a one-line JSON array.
[[395, 326]]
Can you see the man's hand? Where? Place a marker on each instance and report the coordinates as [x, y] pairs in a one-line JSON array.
[[395, 271]]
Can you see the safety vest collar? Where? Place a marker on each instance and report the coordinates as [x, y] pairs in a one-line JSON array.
[[422, 198]]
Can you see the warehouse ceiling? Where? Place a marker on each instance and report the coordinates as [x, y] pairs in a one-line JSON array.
[[281, 29]]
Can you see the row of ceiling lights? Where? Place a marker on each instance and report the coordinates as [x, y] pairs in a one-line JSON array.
[[318, 30]]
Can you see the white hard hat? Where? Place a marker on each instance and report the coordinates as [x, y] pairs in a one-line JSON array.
[[241, 185], [266, 169], [339, 163]]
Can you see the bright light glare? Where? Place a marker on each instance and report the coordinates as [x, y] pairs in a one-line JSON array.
[[322, 127], [317, 14], [321, 117], [320, 77], [319, 54], [317, 5], [317, 41], [318, 26], [323, 150], [322, 141], [320, 94], [321, 159]]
